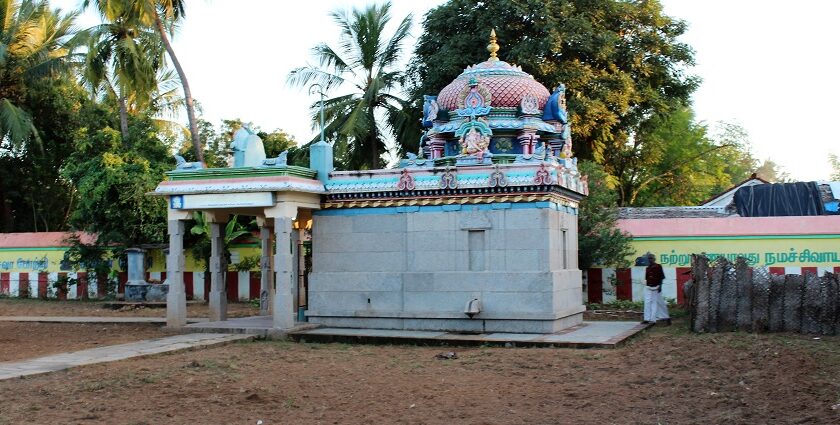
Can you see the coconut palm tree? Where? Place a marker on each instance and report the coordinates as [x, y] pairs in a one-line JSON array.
[[123, 60], [366, 63], [160, 15], [35, 43]]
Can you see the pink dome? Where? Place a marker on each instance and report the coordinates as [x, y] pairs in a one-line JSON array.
[[507, 85]]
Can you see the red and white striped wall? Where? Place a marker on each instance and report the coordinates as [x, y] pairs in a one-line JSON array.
[[40, 285], [241, 286], [604, 285]]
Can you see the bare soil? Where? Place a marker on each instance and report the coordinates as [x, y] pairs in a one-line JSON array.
[[32, 307], [21, 341], [666, 375]]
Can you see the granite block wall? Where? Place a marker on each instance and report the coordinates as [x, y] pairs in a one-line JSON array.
[[417, 270]]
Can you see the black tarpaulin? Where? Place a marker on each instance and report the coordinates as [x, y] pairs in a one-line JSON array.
[[779, 199]]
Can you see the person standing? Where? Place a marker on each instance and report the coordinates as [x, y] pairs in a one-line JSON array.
[[655, 307]]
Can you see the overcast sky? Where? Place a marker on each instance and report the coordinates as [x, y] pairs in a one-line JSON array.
[[769, 65]]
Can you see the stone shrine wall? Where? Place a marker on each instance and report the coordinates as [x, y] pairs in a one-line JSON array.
[[418, 269]]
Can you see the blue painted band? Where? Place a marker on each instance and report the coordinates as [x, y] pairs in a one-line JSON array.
[[447, 208]]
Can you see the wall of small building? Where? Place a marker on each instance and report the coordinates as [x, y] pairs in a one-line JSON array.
[[784, 245]]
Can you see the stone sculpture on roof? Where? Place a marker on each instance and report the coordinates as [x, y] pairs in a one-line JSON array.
[[248, 150]]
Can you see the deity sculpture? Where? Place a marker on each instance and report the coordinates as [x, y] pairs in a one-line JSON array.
[[474, 143]]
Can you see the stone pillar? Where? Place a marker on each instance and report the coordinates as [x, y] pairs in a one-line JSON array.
[[176, 299], [554, 146], [284, 283], [297, 256], [265, 270], [528, 140], [438, 147], [218, 266]]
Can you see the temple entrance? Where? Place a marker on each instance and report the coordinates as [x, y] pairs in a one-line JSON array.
[[284, 219]]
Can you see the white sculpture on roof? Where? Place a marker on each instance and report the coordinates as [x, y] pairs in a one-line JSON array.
[[248, 149]]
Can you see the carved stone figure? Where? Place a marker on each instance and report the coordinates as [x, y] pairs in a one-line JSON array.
[[182, 164], [280, 161], [474, 143], [248, 149]]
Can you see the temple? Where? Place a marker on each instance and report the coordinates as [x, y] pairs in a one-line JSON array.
[[477, 232]]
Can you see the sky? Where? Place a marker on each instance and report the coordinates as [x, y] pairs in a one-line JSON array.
[[769, 66]]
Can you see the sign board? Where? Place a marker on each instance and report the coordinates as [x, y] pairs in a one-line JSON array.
[[770, 251], [221, 200]]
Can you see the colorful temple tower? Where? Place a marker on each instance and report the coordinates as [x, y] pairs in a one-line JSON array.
[[476, 233]]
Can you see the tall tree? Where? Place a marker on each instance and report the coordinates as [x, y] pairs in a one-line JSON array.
[[600, 241], [673, 160], [123, 60], [162, 15], [620, 60], [35, 43], [34, 196], [113, 177], [366, 62]]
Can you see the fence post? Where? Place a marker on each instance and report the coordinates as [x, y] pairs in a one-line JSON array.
[[835, 288], [743, 294], [794, 285], [776, 321], [700, 293], [828, 298], [760, 300], [716, 274], [728, 303], [811, 304]]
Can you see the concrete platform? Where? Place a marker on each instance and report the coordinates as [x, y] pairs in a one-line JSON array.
[[260, 326], [596, 334], [599, 334]]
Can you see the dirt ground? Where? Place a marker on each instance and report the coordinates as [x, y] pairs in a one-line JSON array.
[[666, 375], [20, 341], [32, 307]]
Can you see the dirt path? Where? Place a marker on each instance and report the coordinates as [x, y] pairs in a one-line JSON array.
[[665, 376], [27, 307], [21, 341]]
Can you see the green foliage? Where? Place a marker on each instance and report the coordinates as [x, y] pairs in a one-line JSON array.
[[367, 63], [199, 242], [600, 242], [771, 171], [834, 161], [247, 264], [672, 160], [617, 305], [34, 45], [123, 60], [112, 177], [216, 144], [33, 194], [620, 60]]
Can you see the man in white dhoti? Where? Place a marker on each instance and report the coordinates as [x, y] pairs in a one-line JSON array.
[[655, 307]]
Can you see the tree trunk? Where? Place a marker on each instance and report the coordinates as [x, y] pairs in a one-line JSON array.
[[123, 118], [196, 142], [374, 154]]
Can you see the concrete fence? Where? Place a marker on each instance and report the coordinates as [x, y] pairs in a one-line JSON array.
[[724, 296]]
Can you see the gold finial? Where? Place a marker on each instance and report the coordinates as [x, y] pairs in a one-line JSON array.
[[493, 47]]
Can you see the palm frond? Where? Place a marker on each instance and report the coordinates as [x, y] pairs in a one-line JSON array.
[[15, 123], [304, 76]]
